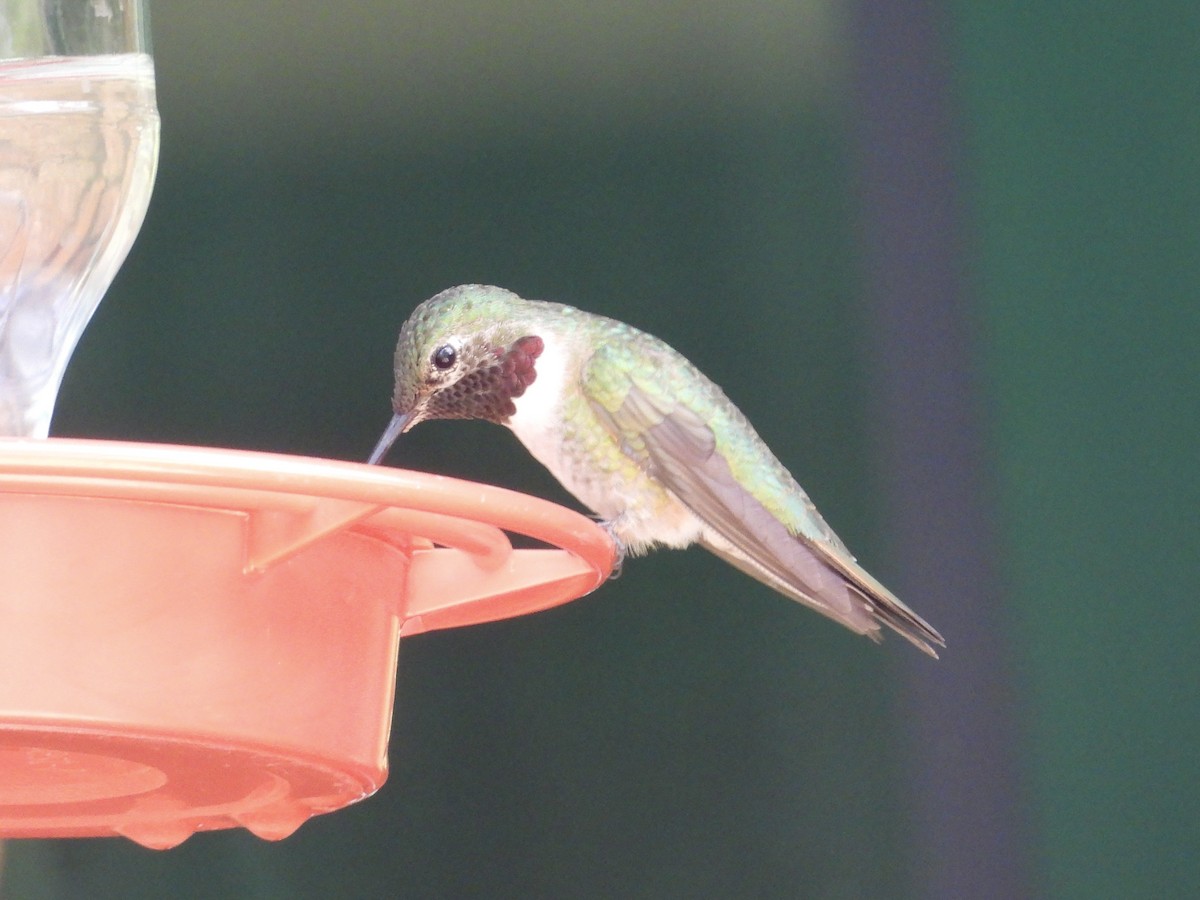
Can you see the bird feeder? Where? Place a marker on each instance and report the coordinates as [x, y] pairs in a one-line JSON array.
[[195, 639]]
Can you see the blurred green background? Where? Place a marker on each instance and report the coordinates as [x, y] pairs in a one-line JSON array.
[[702, 171]]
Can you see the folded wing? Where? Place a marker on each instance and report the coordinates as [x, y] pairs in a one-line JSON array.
[[794, 552]]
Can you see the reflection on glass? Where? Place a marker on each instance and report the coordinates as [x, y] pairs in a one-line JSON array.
[[78, 152]]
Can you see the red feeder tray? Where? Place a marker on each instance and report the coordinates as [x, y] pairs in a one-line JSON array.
[[194, 639]]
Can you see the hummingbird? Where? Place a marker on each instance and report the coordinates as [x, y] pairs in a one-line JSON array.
[[640, 436]]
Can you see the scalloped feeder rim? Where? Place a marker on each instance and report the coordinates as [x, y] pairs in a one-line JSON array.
[[194, 639]]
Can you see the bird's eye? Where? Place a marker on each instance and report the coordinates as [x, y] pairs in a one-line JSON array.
[[444, 357]]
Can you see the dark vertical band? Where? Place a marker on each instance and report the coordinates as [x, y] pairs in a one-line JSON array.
[[970, 836]]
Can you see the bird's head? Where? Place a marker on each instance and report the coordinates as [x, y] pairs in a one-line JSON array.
[[465, 353]]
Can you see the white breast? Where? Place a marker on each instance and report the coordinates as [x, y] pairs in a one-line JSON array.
[[638, 510], [538, 419]]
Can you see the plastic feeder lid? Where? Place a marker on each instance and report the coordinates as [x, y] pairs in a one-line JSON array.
[[194, 639]]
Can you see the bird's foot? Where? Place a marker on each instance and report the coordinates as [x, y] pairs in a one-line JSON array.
[[610, 525]]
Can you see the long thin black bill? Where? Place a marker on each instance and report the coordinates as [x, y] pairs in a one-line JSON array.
[[394, 429]]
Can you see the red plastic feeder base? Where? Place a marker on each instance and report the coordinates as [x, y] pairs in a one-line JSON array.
[[196, 639]]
